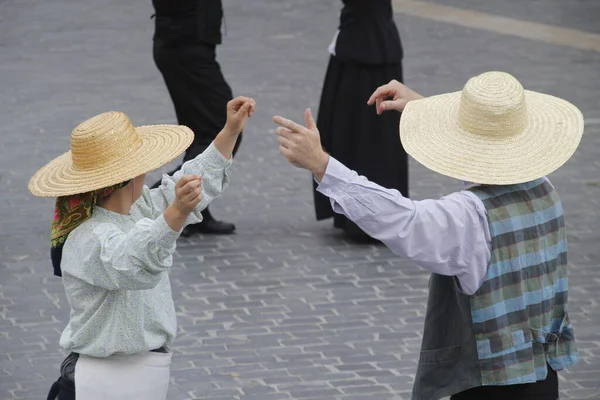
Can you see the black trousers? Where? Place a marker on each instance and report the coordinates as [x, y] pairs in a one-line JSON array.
[[198, 90], [64, 387], [541, 390]]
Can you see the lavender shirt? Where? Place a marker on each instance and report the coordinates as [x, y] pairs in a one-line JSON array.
[[449, 236]]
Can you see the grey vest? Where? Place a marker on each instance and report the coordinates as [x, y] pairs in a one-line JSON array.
[[448, 362]]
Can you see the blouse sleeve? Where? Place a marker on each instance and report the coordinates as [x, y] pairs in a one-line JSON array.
[[210, 164], [115, 260]]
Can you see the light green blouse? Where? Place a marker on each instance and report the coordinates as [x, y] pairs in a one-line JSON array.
[[115, 268]]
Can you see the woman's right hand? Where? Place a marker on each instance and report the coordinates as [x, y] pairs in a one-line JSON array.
[[399, 93], [188, 193]]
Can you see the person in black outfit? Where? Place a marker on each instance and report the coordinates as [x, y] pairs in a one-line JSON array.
[[185, 39], [366, 54]]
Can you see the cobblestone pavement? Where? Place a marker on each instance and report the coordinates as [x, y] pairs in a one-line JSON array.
[[286, 308]]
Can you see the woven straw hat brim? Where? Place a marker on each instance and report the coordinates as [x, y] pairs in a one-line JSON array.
[[159, 145], [430, 133]]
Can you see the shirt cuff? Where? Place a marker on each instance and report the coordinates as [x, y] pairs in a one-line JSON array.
[[162, 235], [215, 159], [336, 176]]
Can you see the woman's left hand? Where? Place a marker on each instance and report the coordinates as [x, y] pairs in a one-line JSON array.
[[238, 111]]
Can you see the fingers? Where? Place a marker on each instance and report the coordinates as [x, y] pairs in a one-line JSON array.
[[378, 102], [242, 106], [287, 153], [245, 109], [236, 103], [188, 193], [194, 196], [291, 125], [381, 92], [309, 120], [197, 200], [191, 192], [286, 137], [191, 185], [285, 142], [242, 103], [285, 132], [252, 108], [184, 180], [397, 105]]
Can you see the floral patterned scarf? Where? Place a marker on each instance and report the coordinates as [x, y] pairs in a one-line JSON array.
[[69, 213]]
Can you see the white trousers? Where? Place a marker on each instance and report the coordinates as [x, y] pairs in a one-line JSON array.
[[143, 376]]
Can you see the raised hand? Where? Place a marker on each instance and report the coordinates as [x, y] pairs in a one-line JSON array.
[[302, 145], [399, 94], [238, 110]]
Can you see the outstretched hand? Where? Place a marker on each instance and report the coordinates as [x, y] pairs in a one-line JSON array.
[[399, 94], [301, 145]]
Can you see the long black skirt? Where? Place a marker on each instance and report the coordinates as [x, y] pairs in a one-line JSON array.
[[353, 133]]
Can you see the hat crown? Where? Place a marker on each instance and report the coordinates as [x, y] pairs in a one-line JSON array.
[[493, 104], [103, 139]]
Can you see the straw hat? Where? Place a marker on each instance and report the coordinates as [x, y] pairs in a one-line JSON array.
[[106, 150], [493, 132]]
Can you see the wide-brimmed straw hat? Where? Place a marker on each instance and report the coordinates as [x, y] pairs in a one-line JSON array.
[[106, 150], [493, 132]]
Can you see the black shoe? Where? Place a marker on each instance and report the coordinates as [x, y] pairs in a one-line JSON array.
[[215, 227], [362, 238], [209, 227], [357, 235]]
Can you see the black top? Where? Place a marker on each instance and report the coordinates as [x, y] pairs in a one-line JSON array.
[[368, 33], [180, 22]]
